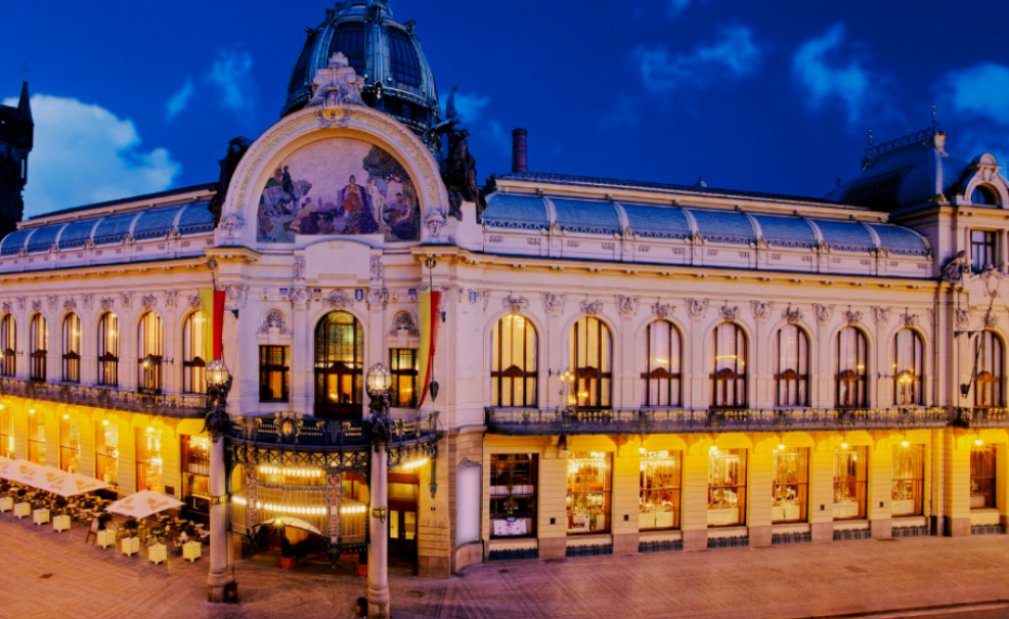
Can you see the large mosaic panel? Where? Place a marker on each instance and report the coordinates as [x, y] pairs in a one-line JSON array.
[[339, 186]]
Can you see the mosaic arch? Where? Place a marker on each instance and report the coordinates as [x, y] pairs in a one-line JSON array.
[[339, 186]]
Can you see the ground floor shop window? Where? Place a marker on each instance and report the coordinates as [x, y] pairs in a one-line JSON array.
[[850, 482], [70, 444], [6, 434], [908, 480], [196, 472], [982, 477], [36, 438], [150, 464], [726, 487], [513, 495], [790, 489], [107, 452], [588, 497], [659, 503]]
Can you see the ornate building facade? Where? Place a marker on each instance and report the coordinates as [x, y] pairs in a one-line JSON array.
[[621, 366]]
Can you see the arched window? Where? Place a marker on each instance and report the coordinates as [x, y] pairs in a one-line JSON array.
[[791, 374], [72, 349], [150, 345], [592, 359], [108, 350], [193, 353], [984, 195], [513, 371], [339, 365], [38, 338], [8, 346], [852, 353], [661, 377], [908, 368], [728, 376], [990, 371]]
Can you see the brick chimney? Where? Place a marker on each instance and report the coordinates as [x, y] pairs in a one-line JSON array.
[[519, 160]]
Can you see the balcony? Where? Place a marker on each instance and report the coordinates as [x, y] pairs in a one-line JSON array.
[[171, 405], [662, 421], [981, 417]]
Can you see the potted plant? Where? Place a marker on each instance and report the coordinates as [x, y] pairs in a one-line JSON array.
[[288, 556], [130, 526], [60, 505], [104, 519]]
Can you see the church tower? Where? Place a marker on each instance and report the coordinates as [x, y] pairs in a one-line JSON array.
[[17, 131]]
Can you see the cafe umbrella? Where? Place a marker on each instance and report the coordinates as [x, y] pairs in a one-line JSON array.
[[143, 504]]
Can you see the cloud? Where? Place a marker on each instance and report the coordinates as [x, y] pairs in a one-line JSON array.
[[677, 6], [231, 75], [981, 90], [847, 84], [179, 101], [734, 55], [470, 106], [85, 154]]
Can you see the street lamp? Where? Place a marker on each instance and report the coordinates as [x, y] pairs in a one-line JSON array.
[[221, 585], [378, 382]]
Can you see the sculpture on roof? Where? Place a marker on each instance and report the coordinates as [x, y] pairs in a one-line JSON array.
[[954, 270], [459, 174], [236, 150], [337, 83]]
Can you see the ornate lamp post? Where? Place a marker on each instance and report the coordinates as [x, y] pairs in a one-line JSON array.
[[378, 383], [221, 585]]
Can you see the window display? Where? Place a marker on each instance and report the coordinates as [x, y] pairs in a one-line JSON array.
[[36, 438], [513, 495], [588, 498], [70, 444], [659, 504], [908, 480], [149, 460], [850, 482], [726, 487], [789, 490], [107, 452], [982, 477]]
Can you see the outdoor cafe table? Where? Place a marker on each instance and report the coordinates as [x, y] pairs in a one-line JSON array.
[[61, 523], [40, 516], [106, 538], [23, 509]]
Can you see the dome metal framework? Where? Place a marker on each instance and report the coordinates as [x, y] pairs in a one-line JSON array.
[[386, 53]]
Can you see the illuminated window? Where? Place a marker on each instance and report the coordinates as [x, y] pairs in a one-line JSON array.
[[850, 482], [726, 487], [659, 499], [72, 349], [70, 444], [852, 386], [592, 358], [588, 496], [790, 488], [150, 464], [728, 376], [38, 339], [908, 480], [107, 452], [6, 434], [36, 438], [989, 358], [908, 368], [661, 377], [150, 344], [403, 368], [108, 350], [194, 352], [792, 372], [513, 363], [8, 346], [513, 495], [195, 458], [274, 373], [339, 365], [983, 249], [983, 478]]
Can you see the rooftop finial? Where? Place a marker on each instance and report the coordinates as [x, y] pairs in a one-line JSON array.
[[868, 138]]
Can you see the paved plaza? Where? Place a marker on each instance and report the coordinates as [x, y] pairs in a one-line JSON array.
[[45, 574]]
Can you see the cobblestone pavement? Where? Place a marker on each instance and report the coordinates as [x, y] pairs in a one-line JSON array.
[[46, 574]]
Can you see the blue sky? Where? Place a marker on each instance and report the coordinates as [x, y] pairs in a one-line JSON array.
[[766, 96]]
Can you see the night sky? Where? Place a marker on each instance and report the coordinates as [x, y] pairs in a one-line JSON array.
[[767, 96]]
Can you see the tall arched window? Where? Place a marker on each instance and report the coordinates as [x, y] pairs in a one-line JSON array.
[[38, 339], [592, 359], [339, 365], [108, 350], [8, 346], [852, 353], [990, 371], [513, 371], [791, 374], [728, 376], [72, 348], [193, 353], [150, 346], [908, 368], [661, 377]]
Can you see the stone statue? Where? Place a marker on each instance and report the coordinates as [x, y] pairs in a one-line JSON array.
[[459, 174], [956, 267], [236, 150]]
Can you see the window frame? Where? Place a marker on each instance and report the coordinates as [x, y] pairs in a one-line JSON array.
[[8, 346], [150, 353], [331, 363], [267, 369], [791, 384], [984, 246], [38, 347], [71, 348], [730, 383], [663, 379], [194, 376], [908, 374], [400, 375], [594, 381], [108, 350], [524, 367], [989, 382], [502, 469], [851, 384]]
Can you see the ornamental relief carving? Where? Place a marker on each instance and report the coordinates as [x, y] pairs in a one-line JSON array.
[[662, 310], [515, 305], [962, 315], [338, 299], [69, 305], [404, 324], [823, 312], [627, 306], [761, 309], [881, 315], [792, 315], [852, 317], [554, 303], [591, 308], [697, 308], [274, 320]]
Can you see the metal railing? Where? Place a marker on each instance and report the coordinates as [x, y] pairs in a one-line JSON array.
[[980, 417], [651, 421], [306, 431], [177, 405]]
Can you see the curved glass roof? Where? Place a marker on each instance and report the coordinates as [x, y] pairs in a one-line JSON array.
[[657, 221], [156, 222], [786, 231], [845, 235], [44, 238], [586, 216], [724, 226], [510, 211]]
